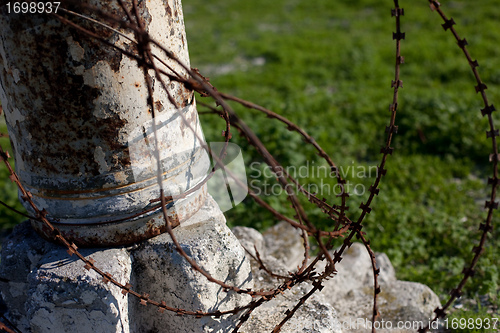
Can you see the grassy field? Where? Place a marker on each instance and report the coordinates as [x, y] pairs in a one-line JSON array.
[[328, 66]]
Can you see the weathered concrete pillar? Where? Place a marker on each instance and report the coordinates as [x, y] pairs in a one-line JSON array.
[[82, 130], [82, 134]]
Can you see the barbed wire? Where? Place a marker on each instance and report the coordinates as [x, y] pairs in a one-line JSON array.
[[491, 205], [343, 227], [147, 62]]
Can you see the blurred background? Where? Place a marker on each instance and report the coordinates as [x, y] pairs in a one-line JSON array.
[[327, 66]]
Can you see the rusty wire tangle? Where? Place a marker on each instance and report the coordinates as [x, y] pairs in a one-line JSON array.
[[345, 227]]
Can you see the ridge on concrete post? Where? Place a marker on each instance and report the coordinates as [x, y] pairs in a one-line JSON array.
[[51, 292]]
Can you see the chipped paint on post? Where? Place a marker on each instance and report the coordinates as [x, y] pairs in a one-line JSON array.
[[80, 126]]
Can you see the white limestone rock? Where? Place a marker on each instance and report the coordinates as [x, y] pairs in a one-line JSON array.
[[164, 273], [65, 297], [285, 243], [350, 291]]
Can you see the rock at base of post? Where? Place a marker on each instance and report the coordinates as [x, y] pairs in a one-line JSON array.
[[48, 291], [160, 270], [403, 305]]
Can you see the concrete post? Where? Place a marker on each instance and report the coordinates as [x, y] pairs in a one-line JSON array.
[[81, 130]]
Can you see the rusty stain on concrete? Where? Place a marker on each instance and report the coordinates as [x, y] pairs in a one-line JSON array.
[[73, 107]]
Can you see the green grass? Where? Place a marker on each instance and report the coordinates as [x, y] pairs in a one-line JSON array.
[[8, 195], [328, 65]]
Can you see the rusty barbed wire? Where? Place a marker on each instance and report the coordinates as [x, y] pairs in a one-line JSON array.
[[397, 12], [195, 81], [146, 61], [145, 299], [90, 263], [491, 205], [7, 326], [261, 264], [6, 329], [72, 249]]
